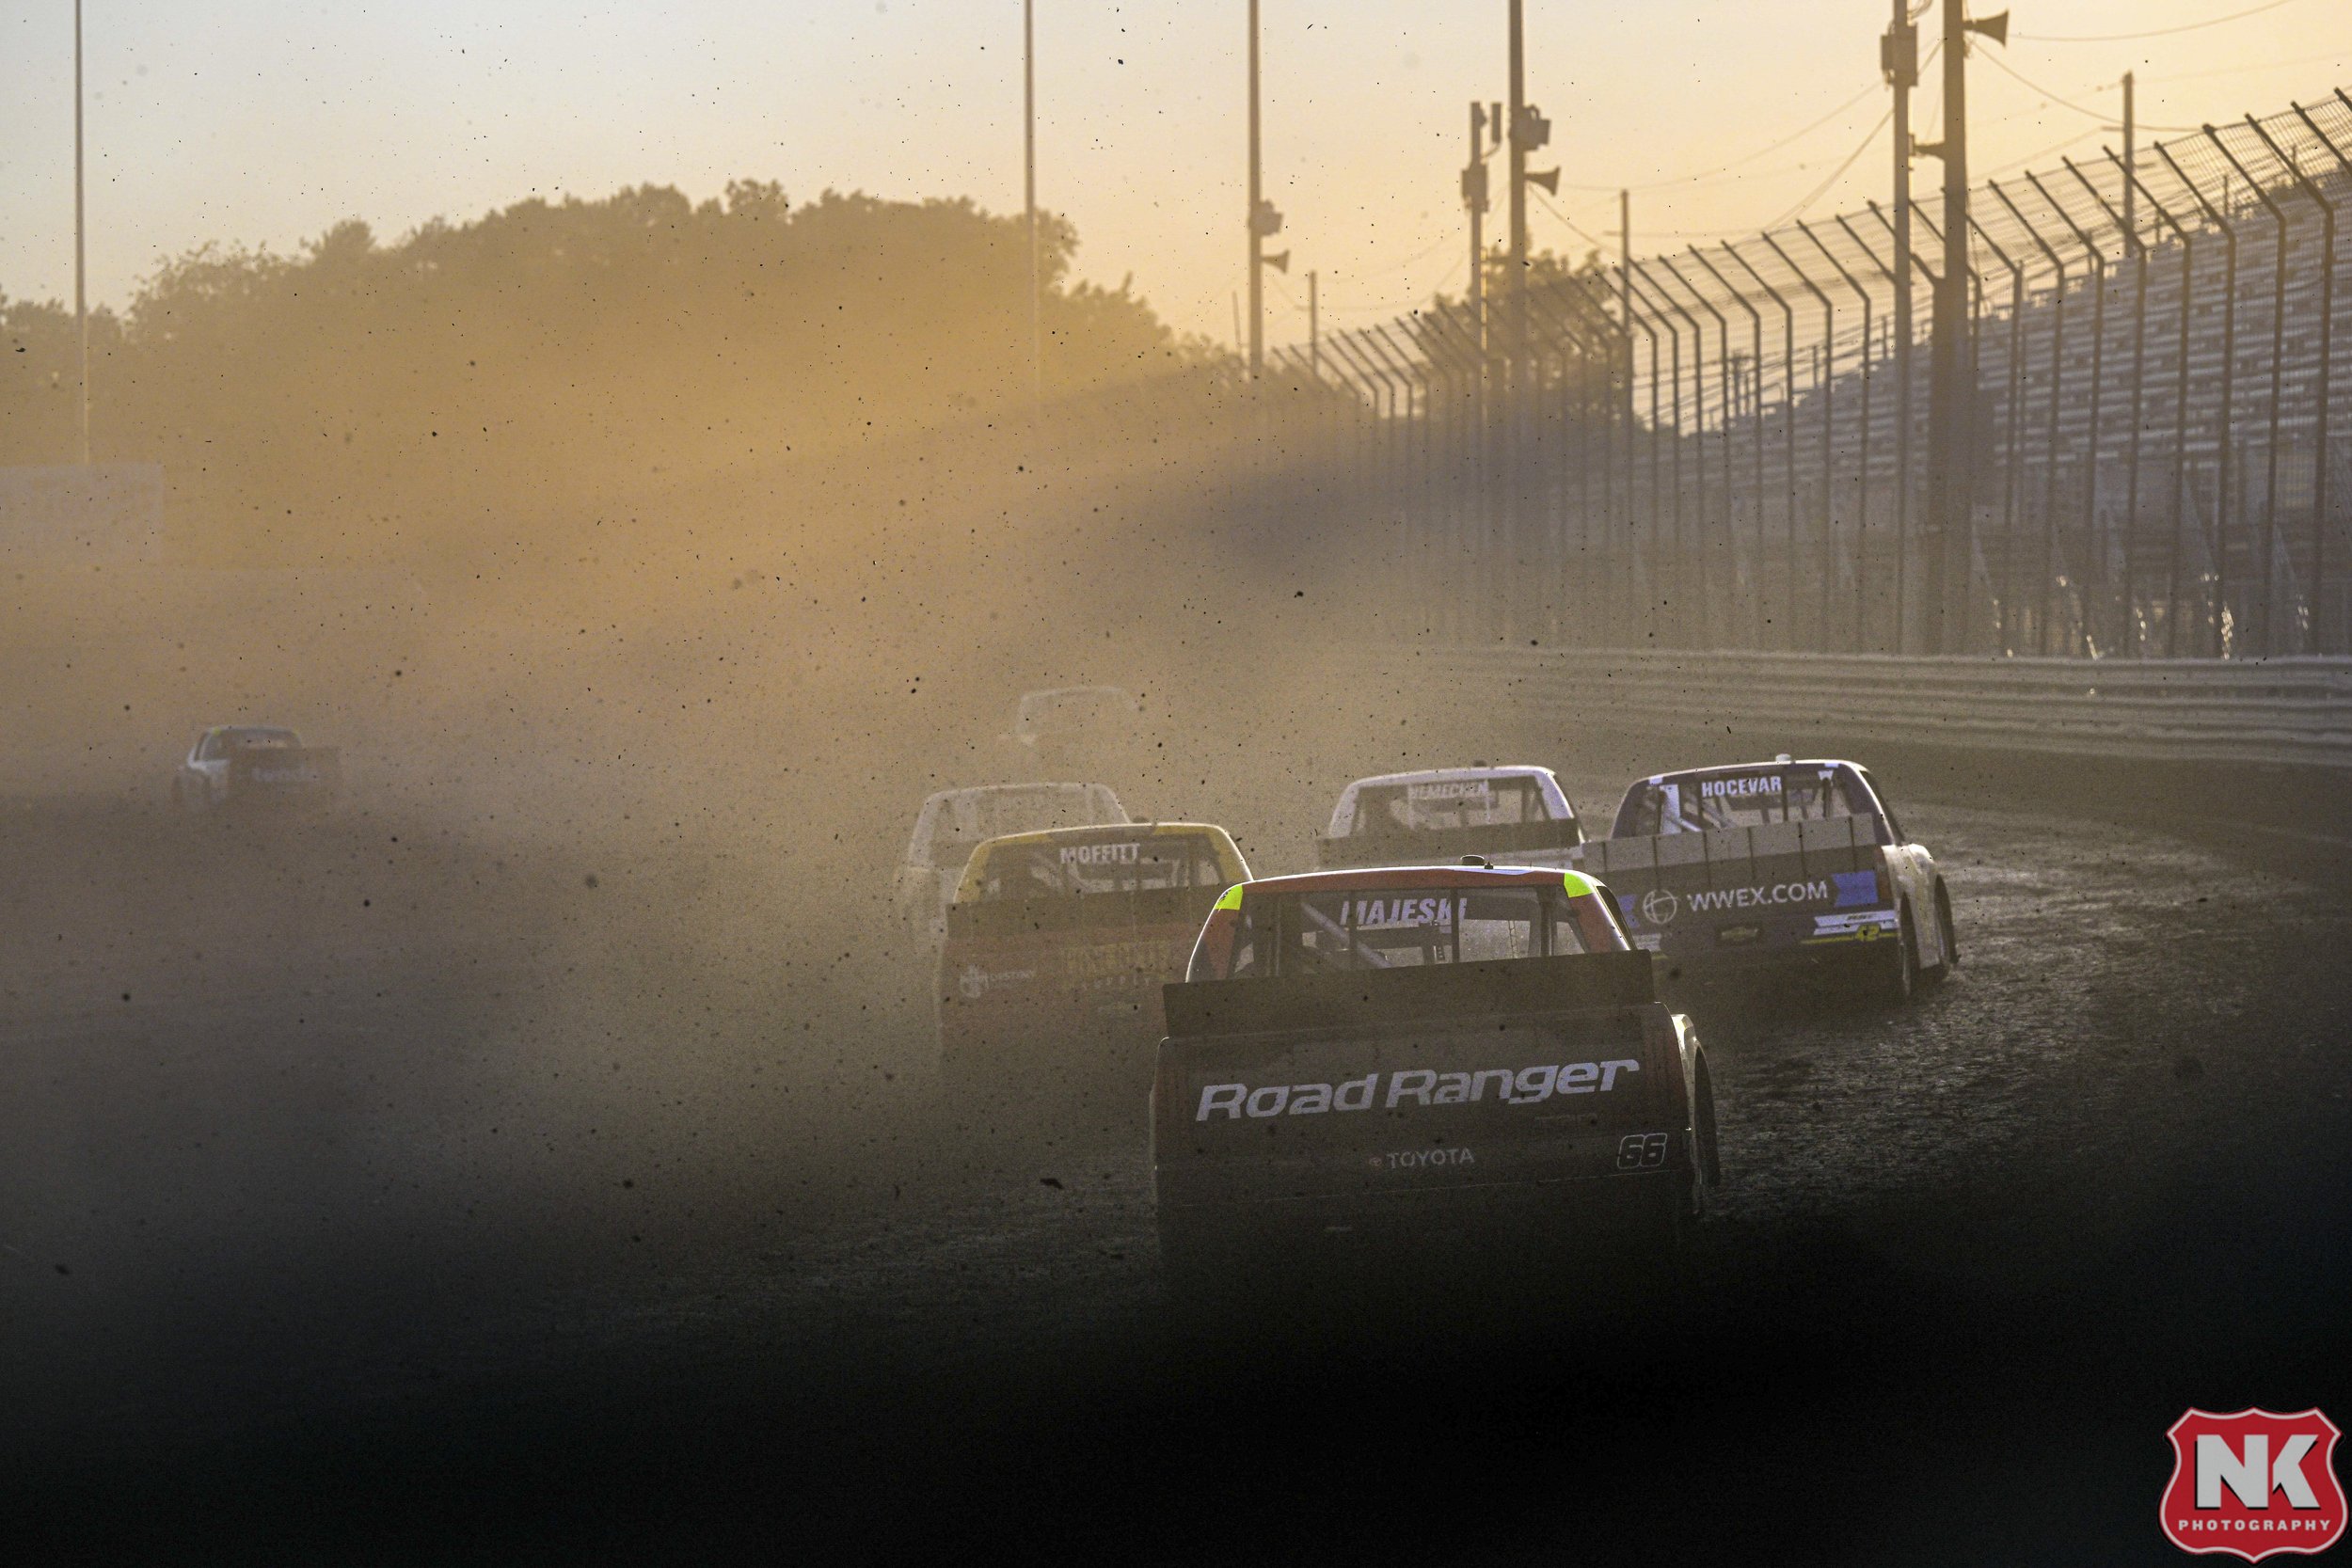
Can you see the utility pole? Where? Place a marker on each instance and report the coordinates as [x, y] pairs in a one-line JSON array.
[[1519, 139], [2130, 226], [1951, 408], [81, 267], [1257, 201], [1265, 222], [1314, 327], [1474, 198], [1899, 57], [1028, 189]]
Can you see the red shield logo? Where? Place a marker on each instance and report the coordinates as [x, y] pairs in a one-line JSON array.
[[2253, 1484]]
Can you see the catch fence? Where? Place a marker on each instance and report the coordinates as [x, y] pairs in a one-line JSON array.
[[1727, 447]]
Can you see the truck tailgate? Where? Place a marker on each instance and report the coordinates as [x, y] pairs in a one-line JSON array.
[[1369, 1110], [1779, 884]]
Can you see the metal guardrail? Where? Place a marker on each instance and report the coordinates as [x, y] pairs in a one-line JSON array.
[[2294, 712]]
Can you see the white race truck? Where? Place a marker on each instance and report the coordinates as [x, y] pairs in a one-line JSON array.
[[1516, 816], [247, 766]]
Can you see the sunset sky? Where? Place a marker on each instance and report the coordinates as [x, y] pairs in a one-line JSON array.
[[264, 122]]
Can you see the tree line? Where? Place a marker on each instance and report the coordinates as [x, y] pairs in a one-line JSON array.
[[360, 392]]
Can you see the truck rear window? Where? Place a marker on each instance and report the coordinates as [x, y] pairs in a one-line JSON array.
[[965, 821], [1706, 803], [1360, 928], [1438, 805], [1142, 863]]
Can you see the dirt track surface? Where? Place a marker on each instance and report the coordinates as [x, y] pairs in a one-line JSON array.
[[375, 1190]]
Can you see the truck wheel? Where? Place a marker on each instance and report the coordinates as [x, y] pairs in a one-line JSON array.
[[1947, 945], [1710, 1161], [1898, 981]]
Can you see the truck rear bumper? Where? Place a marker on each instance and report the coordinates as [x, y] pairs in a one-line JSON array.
[[1849, 959], [1487, 1221]]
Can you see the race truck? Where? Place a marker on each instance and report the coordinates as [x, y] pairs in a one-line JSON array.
[[1057, 946], [1509, 815], [954, 820], [1085, 729], [1427, 1056], [1781, 869], [248, 766]]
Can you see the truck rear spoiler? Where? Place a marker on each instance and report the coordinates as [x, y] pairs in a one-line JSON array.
[[1501, 987], [1835, 844]]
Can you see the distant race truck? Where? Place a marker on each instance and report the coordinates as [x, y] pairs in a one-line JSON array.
[[953, 821], [1076, 729], [1781, 869], [1514, 816], [1422, 1055], [1057, 946], [255, 766]]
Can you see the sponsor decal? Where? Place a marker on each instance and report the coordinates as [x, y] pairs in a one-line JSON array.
[[975, 982], [1414, 1087], [284, 775], [1817, 892], [1373, 914], [1108, 963], [2253, 1484], [1456, 789], [1738, 789], [1660, 906], [1863, 924], [1101, 854], [1418, 1158], [1735, 936], [1855, 887]]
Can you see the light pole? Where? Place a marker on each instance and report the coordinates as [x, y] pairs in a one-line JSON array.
[[1265, 222], [1028, 192], [81, 269], [1952, 366], [1899, 57]]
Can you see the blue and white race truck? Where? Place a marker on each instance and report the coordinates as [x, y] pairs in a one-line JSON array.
[[1780, 869]]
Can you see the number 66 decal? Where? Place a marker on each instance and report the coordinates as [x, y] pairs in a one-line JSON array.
[[1641, 1150]]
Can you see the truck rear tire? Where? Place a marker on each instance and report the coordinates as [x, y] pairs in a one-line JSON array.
[[1947, 944], [1897, 982]]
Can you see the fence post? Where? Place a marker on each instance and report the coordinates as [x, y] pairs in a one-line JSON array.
[[1862, 458], [1755, 504], [2047, 591], [2221, 641], [1629, 539], [1823, 383], [1902, 451], [1699, 616], [2130, 630], [1788, 436], [2277, 385], [1963, 473], [2327, 325], [2098, 567]]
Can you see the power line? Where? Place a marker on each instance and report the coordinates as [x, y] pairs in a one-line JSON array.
[[2107, 121], [2053, 147], [1574, 227], [1835, 174], [1744, 159], [2172, 76], [2152, 32]]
